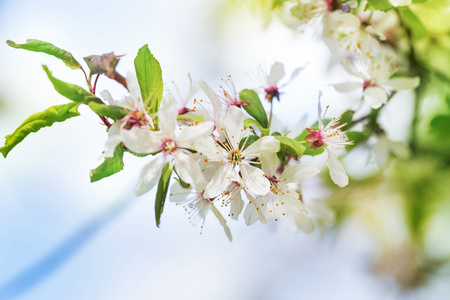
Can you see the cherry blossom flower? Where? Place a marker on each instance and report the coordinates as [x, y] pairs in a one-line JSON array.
[[234, 157], [282, 200], [166, 144], [331, 138], [374, 80], [269, 83]]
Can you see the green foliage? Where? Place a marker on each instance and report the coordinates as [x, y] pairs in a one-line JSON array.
[[292, 146], [357, 137], [255, 109], [252, 122], [50, 49], [110, 166], [418, 31], [248, 141], [110, 111], [196, 118], [383, 5], [161, 193], [71, 91], [57, 113], [440, 126], [277, 3], [149, 75], [347, 117]]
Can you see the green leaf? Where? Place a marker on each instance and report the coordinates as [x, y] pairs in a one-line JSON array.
[[161, 193], [57, 113], [149, 75], [252, 122], [277, 3], [357, 137], [50, 49], [71, 91], [110, 111], [248, 140], [347, 117], [293, 146], [110, 166], [440, 125], [418, 30], [255, 109], [196, 118], [383, 5]]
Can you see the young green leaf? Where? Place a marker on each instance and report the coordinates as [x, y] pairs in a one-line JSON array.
[[110, 165], [309, 151], [71, 91], [418, 30], [196, 118], [347, 117], [248, 140], [50, 49], [252, 122], [383, 5], [293, 146], [161, 193], [255, 109], [110, 111], [57, 113], [149, 75]]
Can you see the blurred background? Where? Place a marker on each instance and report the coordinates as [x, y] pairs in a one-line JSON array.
[[62, 237]]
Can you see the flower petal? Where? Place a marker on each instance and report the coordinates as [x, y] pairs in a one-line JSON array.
[[337, 171], [167, 114], [276, 73], [223, 177], [304, 223], [298, 173], [347, 87], [234, 125], [150, 174], [213, 97], [263, 146], [270, 163], [178, 194], [114, 139], [375, 96], [236, 205], [402, 83], [190, 136], [189, 170], [141, 140], [209, 148], [254, 179], [222, 221]]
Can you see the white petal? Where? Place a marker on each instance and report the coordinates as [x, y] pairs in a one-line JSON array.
[[254, 179], [190, 136], [337, 171], [213, 97], [150, 174], [234, 125], [350, 67], [189, 170], [347, 87], [223, 177], [276, 73], [298, 173], [252, 211], [250, 214], [222, 221], [402, 83], [178, 194], [114, 139], [264, 145], [375, 96], [141, 140], [133, 86], [209, 148], [167, 115], [236, 205], [106, 95], [304, 223], [270, 163]]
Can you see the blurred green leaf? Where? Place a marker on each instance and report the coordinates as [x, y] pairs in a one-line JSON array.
[[57, 113], [248, 140], [110, 111], [149, 75], [357, 137], [293, 146], [383, 5], [347, 117], [255, 109], [196, 118], [161, 193], [440, 126], [410, 19], [50, 49], [252, 122], [277, 3], [110, 165], [71, 91]]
